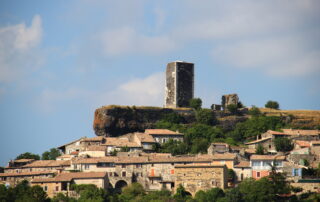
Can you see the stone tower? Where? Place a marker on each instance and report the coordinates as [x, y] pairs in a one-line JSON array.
[[179, 84]]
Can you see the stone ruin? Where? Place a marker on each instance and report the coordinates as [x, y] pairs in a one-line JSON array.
[[229, 99]]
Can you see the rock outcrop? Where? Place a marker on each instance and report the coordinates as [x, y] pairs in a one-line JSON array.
[[117, 120]]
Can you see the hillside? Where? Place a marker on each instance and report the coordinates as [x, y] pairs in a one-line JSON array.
[[298, 118]]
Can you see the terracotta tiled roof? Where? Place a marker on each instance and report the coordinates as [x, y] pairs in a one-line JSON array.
[[26, 174], [198, 166], [93, 139], [23, 160], [250, 151], [96, 148], [301, 132], [258, 141], [143, 137], [107, 159], [267, 157], [243, 164], [315, 142], [47, 163], [60, 147], [219, 143], [272, 132], [67, 177], [161, 132], [225, 156], [119, 142], [302, 143]]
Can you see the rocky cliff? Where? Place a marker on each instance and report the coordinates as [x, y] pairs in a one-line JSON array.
[[117, 120]]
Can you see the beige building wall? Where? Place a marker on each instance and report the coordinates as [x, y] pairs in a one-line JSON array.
[[194, 178]]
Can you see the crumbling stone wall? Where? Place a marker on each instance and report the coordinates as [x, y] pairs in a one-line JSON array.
[[229, 99]]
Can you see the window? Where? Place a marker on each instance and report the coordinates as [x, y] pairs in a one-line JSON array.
[[75, 167], [57, 188], [172, 171], [110, 174], [123, 174], [258, 174], [256, 163], [116, 174], [265, 163], [278, 163], [241, 176], [45, 188], [86, 166]]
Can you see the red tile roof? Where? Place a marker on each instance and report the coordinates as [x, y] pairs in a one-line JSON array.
[[47, 163], [26, 173], [161, 132], [243, 164], [267, 157], [302, 143], [67, 177]]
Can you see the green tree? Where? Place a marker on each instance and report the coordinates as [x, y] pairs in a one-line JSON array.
[[28, 155], [131, 192], [51, 155], [272, 104], [195, 103], [234, 195], [125, 149], [199, 146], [231, 175], [181, 194], [174, 147], [214, 194], [157, 196], [205, 116], [255, 126], [4, 196], [232, 108], [260, 150], [283, 144], [260, 190]]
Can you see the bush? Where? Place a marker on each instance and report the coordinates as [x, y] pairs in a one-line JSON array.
[[28, 155], [260, 150], [195, 103], [254, 111], [283, 144], [205, 116], [272, 104], [232, 108]]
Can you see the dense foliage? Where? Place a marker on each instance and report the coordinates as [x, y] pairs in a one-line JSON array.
[[52, 154], [195, 103], [283, 144], [272, 104], [28, 155]]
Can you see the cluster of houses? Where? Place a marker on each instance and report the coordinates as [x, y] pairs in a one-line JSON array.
[[115, 162]]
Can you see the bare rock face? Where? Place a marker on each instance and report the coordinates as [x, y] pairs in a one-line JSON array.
[[117, 120]]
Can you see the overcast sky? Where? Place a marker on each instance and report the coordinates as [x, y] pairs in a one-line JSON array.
[[60, 60]]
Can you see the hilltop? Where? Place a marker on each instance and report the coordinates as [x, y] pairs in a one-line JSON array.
[[115, 120]]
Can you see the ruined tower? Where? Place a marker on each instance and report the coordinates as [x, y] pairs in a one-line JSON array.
[[179, 84]]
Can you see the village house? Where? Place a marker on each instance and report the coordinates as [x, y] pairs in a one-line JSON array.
[[306, 135], [164, 135], [243, 170], [218, 147], [62, 183], [81, 144], [200, 177], [13, 178], [261, 164]]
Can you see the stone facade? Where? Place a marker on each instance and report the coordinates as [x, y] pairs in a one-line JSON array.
[[229, 99], [179, 84], [200, 177]]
